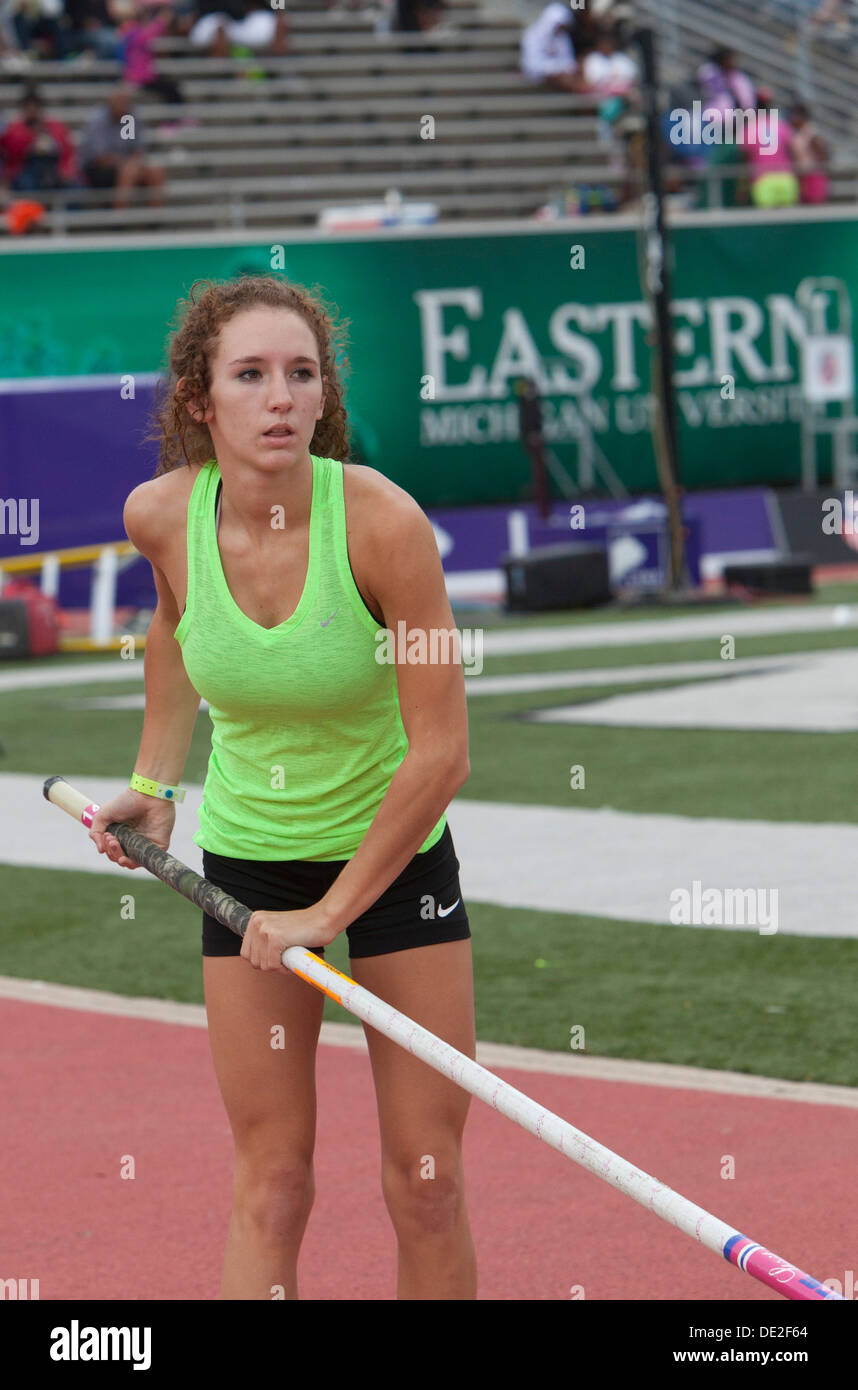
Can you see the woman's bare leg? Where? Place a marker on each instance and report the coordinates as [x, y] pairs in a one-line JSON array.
[[422, 1117], [263, 1031]]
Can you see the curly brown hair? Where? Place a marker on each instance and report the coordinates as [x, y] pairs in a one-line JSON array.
[[191, 346]]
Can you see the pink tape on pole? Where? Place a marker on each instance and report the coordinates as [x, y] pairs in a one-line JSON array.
[[771, 1269]]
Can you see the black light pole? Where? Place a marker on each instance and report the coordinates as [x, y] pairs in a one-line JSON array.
[[657, 287], [533, 440]]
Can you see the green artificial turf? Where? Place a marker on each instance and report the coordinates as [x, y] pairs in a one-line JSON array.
[[780, 1006]]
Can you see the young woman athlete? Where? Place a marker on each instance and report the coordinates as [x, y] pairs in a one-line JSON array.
[[276, 566]]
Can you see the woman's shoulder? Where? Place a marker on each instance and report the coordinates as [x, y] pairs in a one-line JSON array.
[[157, 506], [376, 503], [369, 488], [384, 522]]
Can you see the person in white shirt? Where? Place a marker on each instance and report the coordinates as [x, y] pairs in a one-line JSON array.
[[547, 51], [607, 70]]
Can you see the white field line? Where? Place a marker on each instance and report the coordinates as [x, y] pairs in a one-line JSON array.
[[809, 693], [527, 683], [618, 865], [627, 866], [533, 638], [693, 627]]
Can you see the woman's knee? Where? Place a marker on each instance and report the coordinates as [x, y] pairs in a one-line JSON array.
[[425, 1196], [274, 1194]]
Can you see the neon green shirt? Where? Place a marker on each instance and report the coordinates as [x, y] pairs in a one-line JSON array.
[[306, 725]]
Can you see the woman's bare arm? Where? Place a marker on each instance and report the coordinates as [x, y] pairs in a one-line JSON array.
[[407, 580], [171, 701]]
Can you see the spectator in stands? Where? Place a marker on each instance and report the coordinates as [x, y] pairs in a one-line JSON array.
[[225, 24], [773, 180], [724, 86], [416, 17], [137, 35], [547, 51], [606, 69], [809, 157], [834, 13], [36, 152], [36, 27], [683, 154], [11, 57], [588, 22], [112, 151], [91, 28], [611, 75], [184, 15]]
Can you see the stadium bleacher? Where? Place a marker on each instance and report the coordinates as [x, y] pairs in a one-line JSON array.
[[781, 49], [336, 122]]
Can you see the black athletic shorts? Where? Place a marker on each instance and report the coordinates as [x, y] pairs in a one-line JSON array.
[[422, 907]]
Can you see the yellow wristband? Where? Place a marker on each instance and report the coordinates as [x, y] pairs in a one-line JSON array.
[[150, 788]]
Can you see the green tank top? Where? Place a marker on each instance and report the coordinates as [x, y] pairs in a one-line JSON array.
[[306, 725]]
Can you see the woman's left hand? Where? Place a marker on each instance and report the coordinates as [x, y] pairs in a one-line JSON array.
[[269, 933]]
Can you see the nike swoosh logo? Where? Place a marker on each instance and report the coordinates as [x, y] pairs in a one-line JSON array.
[[445, 911], [333, 615]]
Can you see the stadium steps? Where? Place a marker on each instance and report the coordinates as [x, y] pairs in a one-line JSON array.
[[364, 40], [339, 133], [396, 160], [340, 118], [245, 100], [502, 145], [373, 184], [480, 205], [337, 122], [315, 65], [393, 160], [426, 82]]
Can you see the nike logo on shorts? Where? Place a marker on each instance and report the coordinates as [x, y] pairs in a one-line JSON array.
[[445, 911]]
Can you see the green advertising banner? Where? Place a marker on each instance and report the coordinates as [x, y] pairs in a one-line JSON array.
[[442, 323]]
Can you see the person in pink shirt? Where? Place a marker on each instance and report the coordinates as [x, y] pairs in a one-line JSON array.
[[767, 151], [810, 156], [137, 35], [723, 84]]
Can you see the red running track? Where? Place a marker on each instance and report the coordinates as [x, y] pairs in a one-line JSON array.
[[79, 1090]]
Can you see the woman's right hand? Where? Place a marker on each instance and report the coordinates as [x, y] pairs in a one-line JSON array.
[[150, 815]]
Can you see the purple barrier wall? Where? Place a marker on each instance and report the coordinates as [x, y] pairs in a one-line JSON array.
[[52, 449]]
